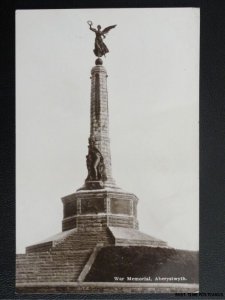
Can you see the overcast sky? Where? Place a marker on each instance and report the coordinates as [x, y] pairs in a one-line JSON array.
[[153, 88]]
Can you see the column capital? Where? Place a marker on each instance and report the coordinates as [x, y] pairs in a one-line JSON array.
[[98, 69]]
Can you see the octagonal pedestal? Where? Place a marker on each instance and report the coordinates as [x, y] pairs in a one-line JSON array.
[[91, 210]]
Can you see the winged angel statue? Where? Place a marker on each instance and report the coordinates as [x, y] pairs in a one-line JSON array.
[[100, 47]]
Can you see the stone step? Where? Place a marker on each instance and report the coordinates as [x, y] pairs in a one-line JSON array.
[[46, 271], [47, 263], [56, 254], [52, 253], [50, 267], [53, 279], [23, 277], [49, 275], [56, 261]]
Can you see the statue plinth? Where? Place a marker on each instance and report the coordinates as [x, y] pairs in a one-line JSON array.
[[94, 185], [101, 207]]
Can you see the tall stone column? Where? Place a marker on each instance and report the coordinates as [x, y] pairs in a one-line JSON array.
[[99, 156]]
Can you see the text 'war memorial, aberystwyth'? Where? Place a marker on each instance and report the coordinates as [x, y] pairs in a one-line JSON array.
[[100, 248]]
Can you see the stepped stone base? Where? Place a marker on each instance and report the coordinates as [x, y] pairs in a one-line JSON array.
[[59, 271], [93, 219], [63, 257]]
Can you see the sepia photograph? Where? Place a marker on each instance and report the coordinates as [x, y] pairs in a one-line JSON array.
[[107, 150]]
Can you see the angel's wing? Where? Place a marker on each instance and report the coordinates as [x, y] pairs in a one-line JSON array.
[[106, 30]]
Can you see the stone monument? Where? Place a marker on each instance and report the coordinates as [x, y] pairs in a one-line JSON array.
[[100, 205], [97, 215]]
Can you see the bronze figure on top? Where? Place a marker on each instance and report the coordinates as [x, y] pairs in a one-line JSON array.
[[100, 47]]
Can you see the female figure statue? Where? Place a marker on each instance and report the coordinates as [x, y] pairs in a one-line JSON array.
[[100, 47], [95, 163]]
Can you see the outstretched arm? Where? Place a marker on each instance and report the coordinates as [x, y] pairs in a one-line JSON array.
[[93, 29]]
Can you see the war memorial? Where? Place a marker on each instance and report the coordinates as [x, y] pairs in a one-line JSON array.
[[100, 248]]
